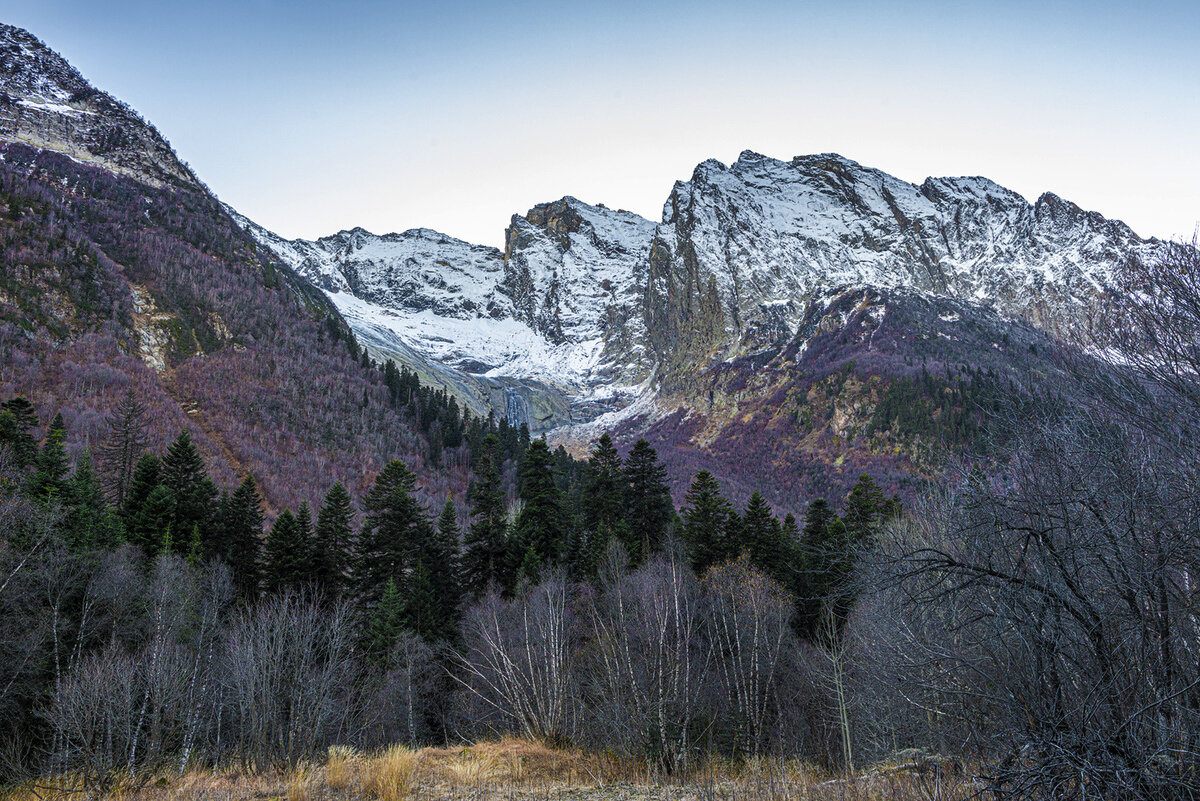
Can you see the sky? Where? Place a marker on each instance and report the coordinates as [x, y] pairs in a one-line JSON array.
[[312, 117]]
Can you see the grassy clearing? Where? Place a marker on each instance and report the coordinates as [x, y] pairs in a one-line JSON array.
[[514, 769]]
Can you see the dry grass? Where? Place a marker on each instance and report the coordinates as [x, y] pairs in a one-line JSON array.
[[514, 770]]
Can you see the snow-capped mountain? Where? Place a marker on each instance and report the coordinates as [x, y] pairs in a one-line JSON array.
[[554, 320], [46, 103], [602, 306], [743, 249]]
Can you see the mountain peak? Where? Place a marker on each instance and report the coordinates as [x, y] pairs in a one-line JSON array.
[[47, 103]]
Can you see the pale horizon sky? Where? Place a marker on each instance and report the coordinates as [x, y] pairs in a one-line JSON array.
[[312, 117]]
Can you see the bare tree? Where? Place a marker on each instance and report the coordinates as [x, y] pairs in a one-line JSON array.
[[748, 617], [650, 658], [520, 660]]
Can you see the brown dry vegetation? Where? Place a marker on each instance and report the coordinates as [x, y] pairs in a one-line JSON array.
[[519, 769]]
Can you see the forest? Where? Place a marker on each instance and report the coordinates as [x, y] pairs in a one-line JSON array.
[[1032, 616]]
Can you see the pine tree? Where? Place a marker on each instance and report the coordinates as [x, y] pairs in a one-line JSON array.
[[384, 623], [486, 544], [18, 418], [239, 542], [287, 561], [147, 475], [331, 549], [648, 508], [150, 526], [423, 611], [394, 529], [604, 498], [192, 491], [704, 522], [49, 480], [762, 537], [540, 524], [445, 571], [125, 445], [89, 521]]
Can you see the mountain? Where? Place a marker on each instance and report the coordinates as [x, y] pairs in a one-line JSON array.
[[120, 270], [764, 281]]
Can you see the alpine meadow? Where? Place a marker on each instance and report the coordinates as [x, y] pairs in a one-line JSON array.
[[822, 485]]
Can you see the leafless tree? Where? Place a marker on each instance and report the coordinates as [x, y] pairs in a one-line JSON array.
[[520, 661], [650, 658], [287, 677], [748, 618]]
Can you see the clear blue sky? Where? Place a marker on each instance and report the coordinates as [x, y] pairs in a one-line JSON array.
[[310, 117]]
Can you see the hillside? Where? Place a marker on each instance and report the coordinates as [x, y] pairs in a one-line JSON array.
[[118, 270]]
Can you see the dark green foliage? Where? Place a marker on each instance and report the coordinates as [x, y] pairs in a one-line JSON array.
[[192, 491], [17, 421], [540, 525], [149, 527], [240, 535], [49, 480], [147, 475], [331, 548], [486, 545], [604, 498], [764, 540], [89, 522], [705, 522], [395, 529], [648, 509], [287, 557], [384, 623]]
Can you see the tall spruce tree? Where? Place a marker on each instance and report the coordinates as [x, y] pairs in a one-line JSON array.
[[705, 521], [540, 523], [604, 497], [287, 557], [18, 419], [762, 538], [49, 480], [240, 537], [485, 550], [395, 527], [89, 521], [334, 534], [192, 491], [648, 509], [150, 523], [445, 570]]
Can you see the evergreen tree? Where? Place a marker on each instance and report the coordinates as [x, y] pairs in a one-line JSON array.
[[287, 563], [604, 498], [423, 611], [240, 537], [540, 524], [384, 623], [18, 418], [866, 510], [394, 529], [334, 532], [192, 492], [648, 508], [147, 475], [89, 521], [763, 539], [444, 572], [125, 445], [49, 480], [150, 525], [486, 544], [704, 522]]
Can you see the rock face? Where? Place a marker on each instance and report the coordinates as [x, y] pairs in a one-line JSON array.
[[551, 330], [601, 306], [743, 249], [46, 103]]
